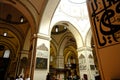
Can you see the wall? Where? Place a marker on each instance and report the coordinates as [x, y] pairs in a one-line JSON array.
[[109, 62]]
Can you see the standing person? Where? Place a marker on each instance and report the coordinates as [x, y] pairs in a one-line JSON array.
[[17, 78], [75, 76], [85, 77], [21, 78], [48, 77], [27, 78], [8, 77], [69, 76], [97, 77]]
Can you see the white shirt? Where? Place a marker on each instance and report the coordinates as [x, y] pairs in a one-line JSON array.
[[20, 78]]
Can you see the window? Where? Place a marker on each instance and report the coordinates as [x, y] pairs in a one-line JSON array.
[[6, 54]]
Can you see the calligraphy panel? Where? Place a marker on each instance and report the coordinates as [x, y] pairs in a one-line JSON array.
[[41, 63], [105, 20]]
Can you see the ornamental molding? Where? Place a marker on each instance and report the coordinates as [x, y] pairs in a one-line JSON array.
[[43, 36], [42, 47], [84, 49]]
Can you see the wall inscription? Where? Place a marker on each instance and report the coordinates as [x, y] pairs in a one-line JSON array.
[[105, 19]]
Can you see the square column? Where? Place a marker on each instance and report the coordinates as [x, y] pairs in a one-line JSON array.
[[42, 57], [86, 63]]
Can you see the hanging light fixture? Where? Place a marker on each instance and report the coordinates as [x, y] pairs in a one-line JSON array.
[[21, 19], [5, 34], [56, 29]]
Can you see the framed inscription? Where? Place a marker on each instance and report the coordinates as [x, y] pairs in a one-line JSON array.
[[105, 20], [41, 63]]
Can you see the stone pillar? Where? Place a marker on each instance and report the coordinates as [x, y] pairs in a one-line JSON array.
[[60, 61], [24, 63], [41, 67], [60, 65], [31, 59], [86, 62]]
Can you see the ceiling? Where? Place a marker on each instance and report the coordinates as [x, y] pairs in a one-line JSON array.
[[16, 19], [13, 26]]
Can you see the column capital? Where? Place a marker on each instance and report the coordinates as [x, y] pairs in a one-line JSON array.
[[86, 48], [25, 51], [42, 36]]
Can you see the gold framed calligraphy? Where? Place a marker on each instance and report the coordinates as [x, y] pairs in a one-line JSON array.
[[105, 20]]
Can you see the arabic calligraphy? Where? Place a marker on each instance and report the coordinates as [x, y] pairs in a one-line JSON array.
[[105, 15]]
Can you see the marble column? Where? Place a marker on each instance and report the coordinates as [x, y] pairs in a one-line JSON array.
[[86, 60]]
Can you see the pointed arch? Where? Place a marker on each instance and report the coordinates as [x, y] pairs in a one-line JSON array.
[[46, 18], [88, 38], [73, 28], [90, 56], [82, 56]]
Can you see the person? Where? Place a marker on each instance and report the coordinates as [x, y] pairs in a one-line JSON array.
[[8, 77], [27, 78], [75, 76], [21, 78], [48, 77], [85, 77], [69, 76], [97, 77], [17, 78]]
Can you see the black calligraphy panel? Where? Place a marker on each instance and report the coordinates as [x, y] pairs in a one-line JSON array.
[[105, 18]]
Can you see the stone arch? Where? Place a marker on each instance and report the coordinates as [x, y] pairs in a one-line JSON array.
[[88, 38], [25, 11], [53, 54], [90, 56], [12, 49], [82, 56], [82, 59], [54, 46], [68, 53], [73, 28], [64, 40], [46, 18], [70, 48]]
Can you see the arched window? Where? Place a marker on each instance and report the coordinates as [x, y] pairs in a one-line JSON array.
[[6, 54]]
